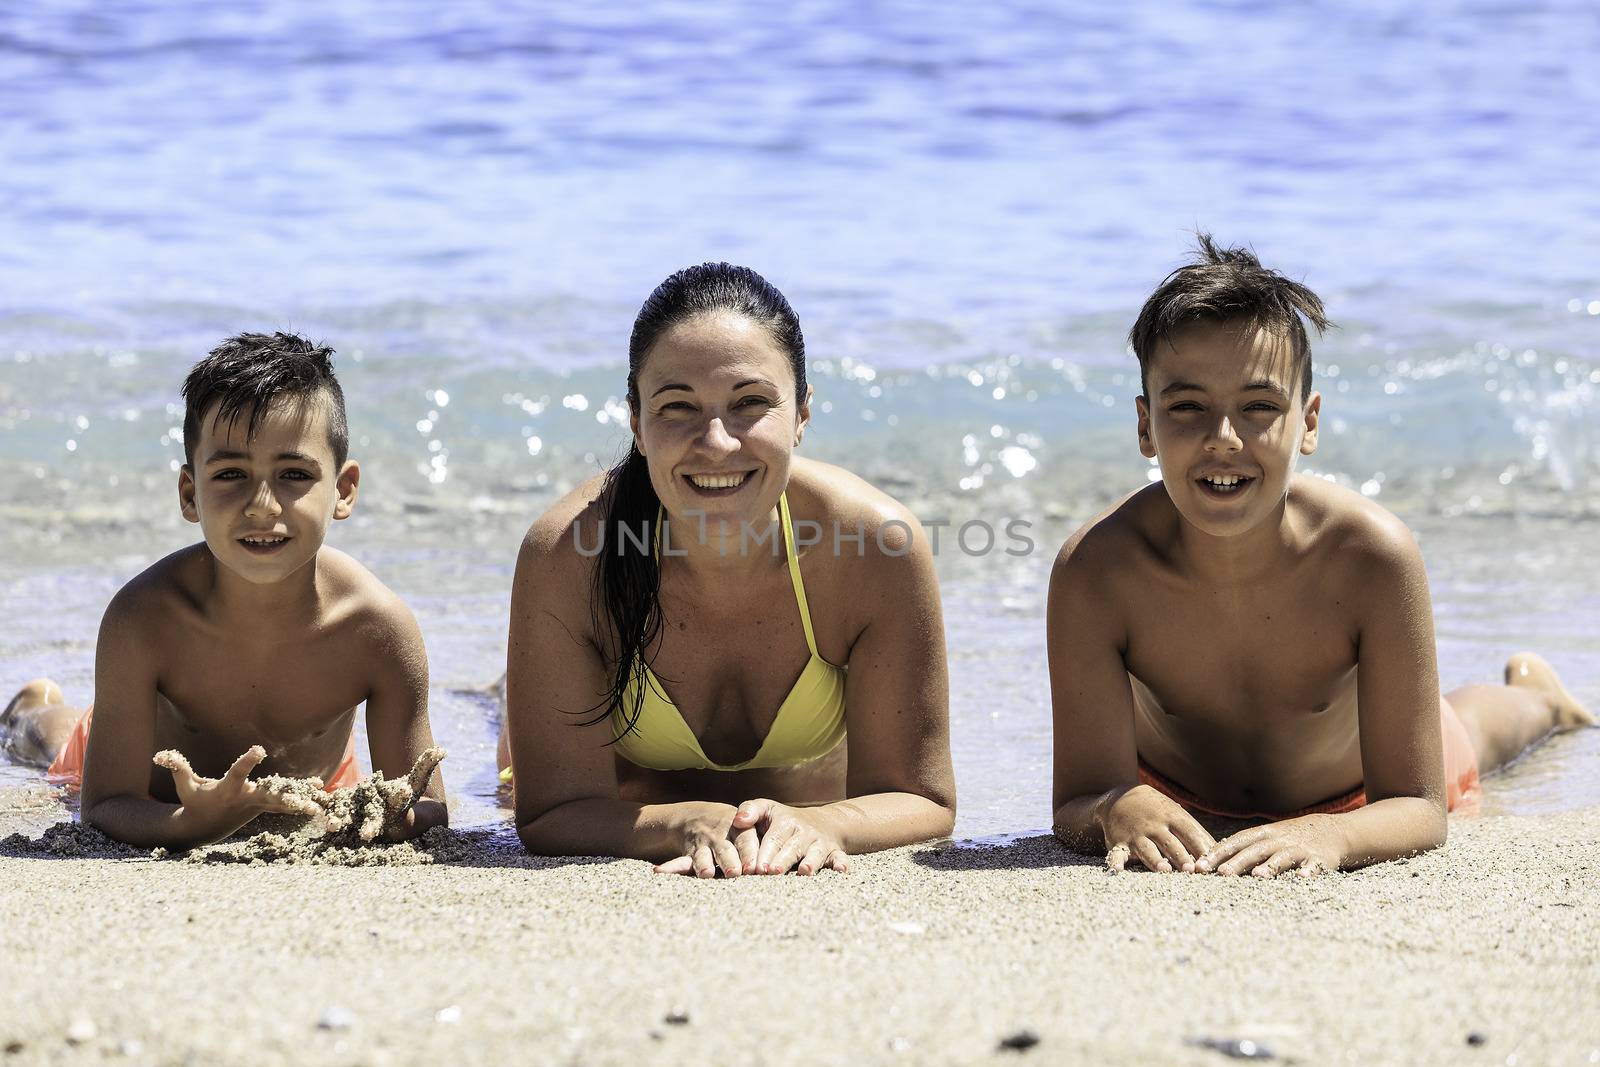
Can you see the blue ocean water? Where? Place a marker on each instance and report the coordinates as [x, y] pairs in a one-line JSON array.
[[966, 204]]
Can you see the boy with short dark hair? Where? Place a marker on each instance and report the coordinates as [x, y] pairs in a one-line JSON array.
[[259, 640], [1238, 642]]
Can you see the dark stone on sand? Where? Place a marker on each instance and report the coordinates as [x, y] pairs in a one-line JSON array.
[[1021, 1041], [14, 1047], [1235, 1048], [1477, 1038], [677, 1017]]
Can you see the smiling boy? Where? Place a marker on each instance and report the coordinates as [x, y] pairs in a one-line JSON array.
[[1240, 642], [258, 640]]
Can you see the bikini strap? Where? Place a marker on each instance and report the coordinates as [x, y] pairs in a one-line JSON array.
[[794, 570]]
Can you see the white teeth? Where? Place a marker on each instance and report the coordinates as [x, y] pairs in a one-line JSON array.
[[263, 540], [718, 481], [1226, 481]]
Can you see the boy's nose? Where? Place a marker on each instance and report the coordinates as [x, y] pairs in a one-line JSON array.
[[262, 502], [1224, 438]]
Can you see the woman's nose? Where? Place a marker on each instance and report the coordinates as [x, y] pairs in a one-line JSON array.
[[717, 438]]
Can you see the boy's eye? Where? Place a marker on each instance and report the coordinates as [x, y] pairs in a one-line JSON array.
[[297, 475], [1262, 405], [228, 475], [1185, 405]]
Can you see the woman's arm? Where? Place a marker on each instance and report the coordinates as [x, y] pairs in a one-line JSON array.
[[564, 772], [900, 785]]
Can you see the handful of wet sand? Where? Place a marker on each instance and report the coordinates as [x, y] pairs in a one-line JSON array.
[[353, 822]]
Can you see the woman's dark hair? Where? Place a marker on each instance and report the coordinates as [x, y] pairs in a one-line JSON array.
[[627, 582], [1223, 285], [249, 372]]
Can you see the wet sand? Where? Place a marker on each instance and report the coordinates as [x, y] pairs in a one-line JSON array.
[[1486, 950]]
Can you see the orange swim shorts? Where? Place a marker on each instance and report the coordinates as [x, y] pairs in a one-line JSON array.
[[1461, 787], [67, 768]]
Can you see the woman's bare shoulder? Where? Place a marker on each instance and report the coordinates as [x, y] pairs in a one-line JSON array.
[[825, 493]]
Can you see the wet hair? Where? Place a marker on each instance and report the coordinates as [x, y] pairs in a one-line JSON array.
[[1228, 285], [627, 582], [249, 372]]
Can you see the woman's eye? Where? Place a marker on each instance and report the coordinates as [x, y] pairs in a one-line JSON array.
[[677, 405], [755, 401]]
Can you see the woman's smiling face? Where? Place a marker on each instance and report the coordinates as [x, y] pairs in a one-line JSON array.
[[718, 420]]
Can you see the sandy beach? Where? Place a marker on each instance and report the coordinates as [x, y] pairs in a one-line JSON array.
[[1487, 951]]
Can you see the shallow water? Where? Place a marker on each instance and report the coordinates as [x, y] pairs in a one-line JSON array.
[[965, 208]]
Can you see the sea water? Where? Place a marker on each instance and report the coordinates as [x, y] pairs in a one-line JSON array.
[[965, 205]]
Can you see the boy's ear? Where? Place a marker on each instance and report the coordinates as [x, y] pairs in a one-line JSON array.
[[186, 493], [803, 415], [348, 482], [1313, 413], [1147, 444]]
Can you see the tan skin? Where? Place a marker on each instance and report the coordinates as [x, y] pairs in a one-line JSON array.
[[718, 396], [250, 659], [1267, 648]]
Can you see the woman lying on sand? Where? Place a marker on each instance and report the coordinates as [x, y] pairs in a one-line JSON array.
[[683, 669]]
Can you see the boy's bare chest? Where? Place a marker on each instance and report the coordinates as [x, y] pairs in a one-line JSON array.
[[1248, 655], [280, 694]]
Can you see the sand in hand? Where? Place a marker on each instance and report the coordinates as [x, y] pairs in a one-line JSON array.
[[353, 824], [351, 827]]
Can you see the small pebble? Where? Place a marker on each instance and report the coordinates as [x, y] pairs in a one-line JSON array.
[[129, 1047], [14, 1047], [336, 1018], [1021, 1041], [1235, 1047], [677, 1017], [80, 1030], [452, 1014], [1477, 1037], [899, 1044]]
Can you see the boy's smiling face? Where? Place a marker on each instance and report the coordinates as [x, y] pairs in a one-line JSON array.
[[264, 502], [1225, 421]]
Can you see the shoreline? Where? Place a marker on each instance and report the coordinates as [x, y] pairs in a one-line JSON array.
[[925, 954]]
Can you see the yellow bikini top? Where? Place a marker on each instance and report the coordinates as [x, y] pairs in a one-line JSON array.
[[810, 721]]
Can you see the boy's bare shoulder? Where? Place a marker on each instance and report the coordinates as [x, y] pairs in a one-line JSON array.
[[353, 594], [1359, 536], [1123, 537], [170, 587]]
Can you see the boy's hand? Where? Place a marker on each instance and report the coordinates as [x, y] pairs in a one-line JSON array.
[[1145, 824], [710, 843], [1307, 845], [400, 802], [233, 798], [790, 839]]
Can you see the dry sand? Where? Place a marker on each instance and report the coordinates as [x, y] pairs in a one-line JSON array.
[[925, 955]]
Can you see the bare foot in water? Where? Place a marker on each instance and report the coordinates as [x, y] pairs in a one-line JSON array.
[[37, 722], [1532, 671]]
